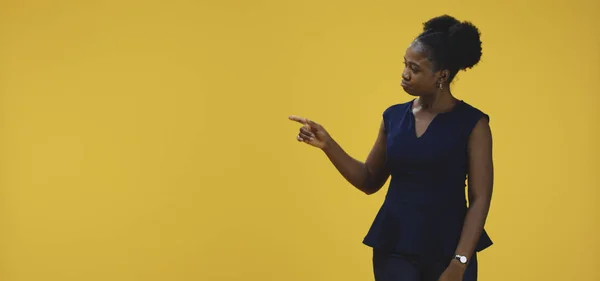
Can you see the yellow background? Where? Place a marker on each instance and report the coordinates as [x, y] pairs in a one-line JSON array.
[[149, 140]]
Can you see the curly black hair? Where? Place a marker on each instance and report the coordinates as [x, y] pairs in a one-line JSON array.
[[450, 44]]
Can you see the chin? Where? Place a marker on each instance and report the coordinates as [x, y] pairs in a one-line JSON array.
[[411, 92]]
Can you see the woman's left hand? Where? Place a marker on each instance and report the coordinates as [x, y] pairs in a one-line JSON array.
[[454, 272]]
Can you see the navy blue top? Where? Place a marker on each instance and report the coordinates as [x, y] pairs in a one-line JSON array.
[[425, 206]]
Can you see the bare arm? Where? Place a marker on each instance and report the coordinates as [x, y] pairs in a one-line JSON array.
[[480, 182], [369, 176]]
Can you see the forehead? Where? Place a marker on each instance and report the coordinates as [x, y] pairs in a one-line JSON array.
[[415, 53]]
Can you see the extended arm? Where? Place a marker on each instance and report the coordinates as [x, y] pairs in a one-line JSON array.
[[369, 176]]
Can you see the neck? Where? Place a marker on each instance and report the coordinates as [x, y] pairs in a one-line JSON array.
[[438, 102]]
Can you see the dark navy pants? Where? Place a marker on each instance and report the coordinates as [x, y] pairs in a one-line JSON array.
[[400, 267]]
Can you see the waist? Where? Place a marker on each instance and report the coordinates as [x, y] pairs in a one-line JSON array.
[[430, 196], [428, 178]]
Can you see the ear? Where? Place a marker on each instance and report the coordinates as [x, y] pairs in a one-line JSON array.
[[443, 76]]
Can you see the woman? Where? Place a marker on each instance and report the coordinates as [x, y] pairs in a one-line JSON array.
[[424, 229]]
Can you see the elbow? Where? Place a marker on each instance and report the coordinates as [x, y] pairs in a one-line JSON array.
[[368, 185], [480, 202], [370, 189], [369, 192], [480, 196], [373, 185]]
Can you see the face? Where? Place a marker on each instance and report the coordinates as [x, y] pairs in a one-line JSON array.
[[419, 77]]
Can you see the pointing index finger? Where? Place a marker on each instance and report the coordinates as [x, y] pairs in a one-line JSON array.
[[298, 119]]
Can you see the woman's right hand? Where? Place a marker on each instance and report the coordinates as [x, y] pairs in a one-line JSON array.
[[369, 176], [312, 133]]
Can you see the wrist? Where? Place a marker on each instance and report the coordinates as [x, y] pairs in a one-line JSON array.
[[460, 261], [327, 145], [458, 265]]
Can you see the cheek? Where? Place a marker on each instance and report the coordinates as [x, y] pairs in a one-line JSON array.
[[421, 82]]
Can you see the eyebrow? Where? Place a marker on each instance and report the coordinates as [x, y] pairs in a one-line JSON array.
[[413, 63]]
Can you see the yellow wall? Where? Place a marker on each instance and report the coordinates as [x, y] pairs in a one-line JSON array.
[[150, 141]]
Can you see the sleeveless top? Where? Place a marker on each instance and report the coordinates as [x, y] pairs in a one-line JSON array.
[[425, 205]]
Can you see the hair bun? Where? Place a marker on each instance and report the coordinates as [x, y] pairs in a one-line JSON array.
[[440, 24], [450, 44], [465, 44]]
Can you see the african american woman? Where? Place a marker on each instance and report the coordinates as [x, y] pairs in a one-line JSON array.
[[431, 147]]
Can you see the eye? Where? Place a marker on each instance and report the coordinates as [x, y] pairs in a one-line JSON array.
[[413, 68]]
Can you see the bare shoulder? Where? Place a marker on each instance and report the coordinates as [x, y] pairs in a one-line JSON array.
[[480, 140]]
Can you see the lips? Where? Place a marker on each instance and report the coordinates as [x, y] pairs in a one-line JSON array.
[[404, 84]]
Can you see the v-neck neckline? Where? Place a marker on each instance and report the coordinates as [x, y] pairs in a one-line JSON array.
[[435, 117], [414, 119]]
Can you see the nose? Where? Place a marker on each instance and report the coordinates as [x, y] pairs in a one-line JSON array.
[[406, 75]]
